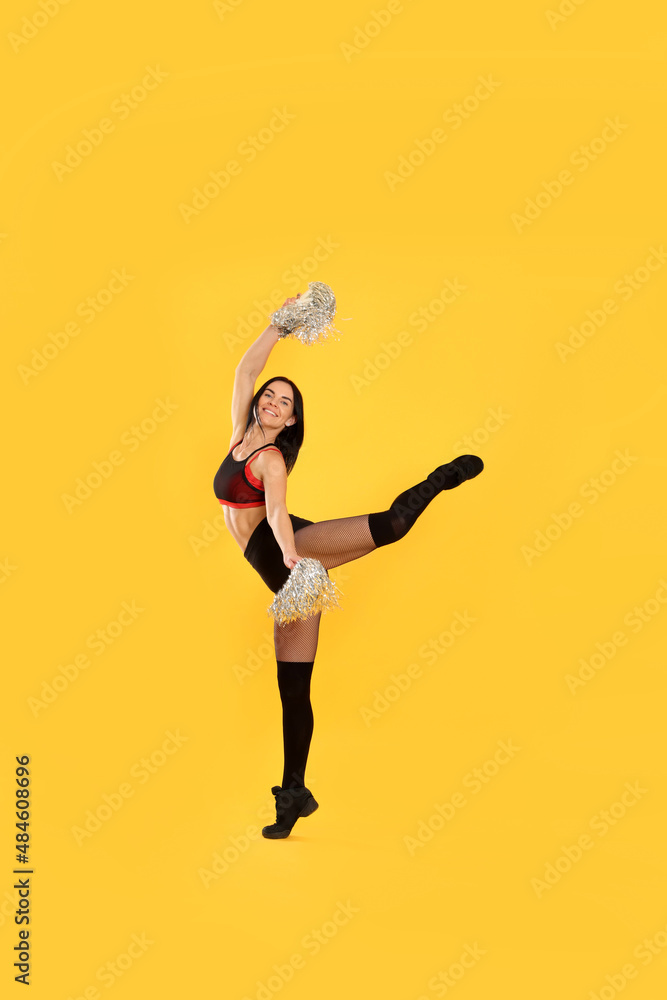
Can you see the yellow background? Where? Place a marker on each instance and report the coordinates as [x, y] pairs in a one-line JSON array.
[[172, 335]]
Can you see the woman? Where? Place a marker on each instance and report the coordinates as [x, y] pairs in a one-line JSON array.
[[251, 484]]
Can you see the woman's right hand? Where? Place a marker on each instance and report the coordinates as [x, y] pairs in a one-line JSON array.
[[288, 302]]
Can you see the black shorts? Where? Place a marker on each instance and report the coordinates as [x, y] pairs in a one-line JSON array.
[[265, 555]]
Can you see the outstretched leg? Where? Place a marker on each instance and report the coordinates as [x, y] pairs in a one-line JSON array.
[[335, 542], [346, 538]]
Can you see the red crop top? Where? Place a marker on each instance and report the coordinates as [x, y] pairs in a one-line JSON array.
[[234, 484]]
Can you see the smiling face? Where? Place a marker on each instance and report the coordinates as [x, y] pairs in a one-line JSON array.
[[276, 406]]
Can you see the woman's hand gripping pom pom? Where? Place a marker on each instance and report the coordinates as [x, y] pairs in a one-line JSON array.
[[307, 591], [309, 318]]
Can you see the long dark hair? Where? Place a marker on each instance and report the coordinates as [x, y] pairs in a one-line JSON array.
[[290, 439]]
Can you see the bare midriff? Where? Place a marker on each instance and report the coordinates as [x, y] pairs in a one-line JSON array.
[[242, 522]]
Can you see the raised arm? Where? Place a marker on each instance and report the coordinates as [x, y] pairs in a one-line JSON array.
[[247, 372]]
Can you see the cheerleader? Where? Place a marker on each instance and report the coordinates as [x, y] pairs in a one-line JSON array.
[[251, 485]]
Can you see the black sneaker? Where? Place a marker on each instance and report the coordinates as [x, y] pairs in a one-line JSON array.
[[446, 477], [291, 804]]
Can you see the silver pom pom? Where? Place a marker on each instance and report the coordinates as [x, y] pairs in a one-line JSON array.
[[310, 318], [307, 591]]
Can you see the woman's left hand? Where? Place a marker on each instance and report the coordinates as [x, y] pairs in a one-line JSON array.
[[291, 559]]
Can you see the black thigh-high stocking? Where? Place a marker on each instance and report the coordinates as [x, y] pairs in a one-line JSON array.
[[294, 684], [296, 645]]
